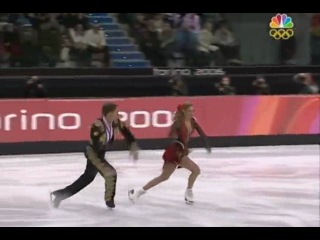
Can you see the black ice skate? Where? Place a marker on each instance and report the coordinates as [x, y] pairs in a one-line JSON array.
[[110, 204]]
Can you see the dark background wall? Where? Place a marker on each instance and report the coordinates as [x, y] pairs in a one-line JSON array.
[[88, 82]]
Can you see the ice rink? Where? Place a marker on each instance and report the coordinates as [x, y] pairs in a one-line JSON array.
[[251, 186]]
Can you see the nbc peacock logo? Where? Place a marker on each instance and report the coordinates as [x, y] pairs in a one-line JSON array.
[[281, 27]]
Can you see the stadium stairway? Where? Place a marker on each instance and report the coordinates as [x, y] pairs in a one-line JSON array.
[[124, 53]]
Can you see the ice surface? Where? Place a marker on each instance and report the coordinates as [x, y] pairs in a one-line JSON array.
[[252, 186]]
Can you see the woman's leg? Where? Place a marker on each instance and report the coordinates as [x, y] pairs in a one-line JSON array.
[[167, 170], [187, 163]]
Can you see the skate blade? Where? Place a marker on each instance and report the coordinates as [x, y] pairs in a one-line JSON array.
[[189, 202]]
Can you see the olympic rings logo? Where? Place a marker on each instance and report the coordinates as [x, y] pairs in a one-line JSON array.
[[281, 34]]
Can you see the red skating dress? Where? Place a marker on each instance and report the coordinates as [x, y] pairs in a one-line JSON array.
[[178, 148]]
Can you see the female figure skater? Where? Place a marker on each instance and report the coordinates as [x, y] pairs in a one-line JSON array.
[[176, 154]]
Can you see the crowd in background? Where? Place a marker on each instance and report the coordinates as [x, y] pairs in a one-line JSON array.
[[201, 39], [206, 39], [49, 39]]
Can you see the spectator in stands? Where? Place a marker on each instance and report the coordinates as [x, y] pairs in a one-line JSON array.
[[174, 19], [159, 22], [12, 44], [225, 40], [167, 40], [126, 18], [306, 83], [35, 88], [14, 18], [29, 45], [212, 17], [191, 21], [260, 86], [50, 21], [65, 51], [22, 20], [150, 45], [79, 46], [50, 44], [178, 86], [187, 37], [224, 87], [96, 41], [4, 54], [139, 25], [71, 20], [207, 50], [35, 19], [82, 19]]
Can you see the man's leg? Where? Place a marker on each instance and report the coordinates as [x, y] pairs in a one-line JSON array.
[[84, 180], [109, 173]]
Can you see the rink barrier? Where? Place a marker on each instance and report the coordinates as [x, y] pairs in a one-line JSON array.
[[44, 126], [292, 69], [147, 144], [138, 86], [88, 82]]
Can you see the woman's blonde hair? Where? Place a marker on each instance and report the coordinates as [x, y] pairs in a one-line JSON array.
[[179, 114]]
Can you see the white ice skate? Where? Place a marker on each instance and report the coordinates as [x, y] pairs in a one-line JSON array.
[[55, 200], [188, 196], [134, 194]]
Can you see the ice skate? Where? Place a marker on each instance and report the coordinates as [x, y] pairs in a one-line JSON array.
[[188, 196], [110, 204], [134, 194], [55, 199]]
